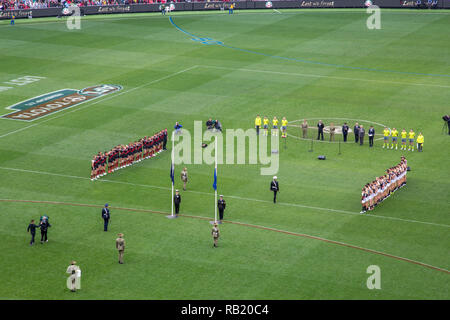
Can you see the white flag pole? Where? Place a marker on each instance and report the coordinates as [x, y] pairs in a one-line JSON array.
[[173, 166], [215, 191]]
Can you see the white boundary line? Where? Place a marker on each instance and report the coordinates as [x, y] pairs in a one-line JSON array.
[[107, 97], [265, 228], [325, 76], [231, 196]]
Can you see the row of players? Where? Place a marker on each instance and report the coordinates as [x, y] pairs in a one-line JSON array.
[[382, 187], [123, 156], [265, 123], [394, 135]]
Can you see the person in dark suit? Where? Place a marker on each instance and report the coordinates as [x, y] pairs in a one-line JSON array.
[[362, 132], [164, 139], [274, 186], [320, 127], [371, 136], [44, 225], [345, 131], [177, 201], [356, 132], [106, 216], [32, 230], [221, 204]]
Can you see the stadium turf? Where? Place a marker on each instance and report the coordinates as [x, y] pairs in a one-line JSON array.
[[313, 64]]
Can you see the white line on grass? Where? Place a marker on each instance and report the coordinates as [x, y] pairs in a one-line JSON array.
[[304, 235], [86, 105], [324, 76], [231, 196]]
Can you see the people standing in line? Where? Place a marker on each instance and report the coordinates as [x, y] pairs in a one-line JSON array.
[[221, 204], [386, 134], [44, 225], [176, 202], [284, 124], [320, 127], [75, 273], [106, 215], [275, 126], [266, 126], [371, 136], [305, 129], [332, 131], [394, 134], [345, 129], [32, 230], [120, 246], [403, 134], [411, 136], [184, 177], [215, 234], [274, 186], [257, 124], [362, 132], [356, 132]]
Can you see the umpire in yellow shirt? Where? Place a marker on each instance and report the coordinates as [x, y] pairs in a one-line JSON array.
[[420, 140], [257, 124]]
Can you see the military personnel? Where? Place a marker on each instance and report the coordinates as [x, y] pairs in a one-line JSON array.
[[345, 129], [361, 133], [120, 246], [221, 204], [184, 177], [332, 131], [177, 201], [75, 272], [44, 225], [371, 136], [215, 234], [320, 127], [106, 217], [305, 129], [356, 132], [275, 188], [32, 230]]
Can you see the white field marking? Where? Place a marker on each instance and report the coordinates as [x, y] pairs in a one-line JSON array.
[[304, 235], [229, 196], [108, 97], [325, 76]]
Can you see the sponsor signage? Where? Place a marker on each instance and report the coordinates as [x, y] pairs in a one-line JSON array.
[[52, 102]]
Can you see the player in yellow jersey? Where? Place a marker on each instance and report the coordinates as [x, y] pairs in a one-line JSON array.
[[257, 124], [403, 134], [266, 125], [394, 134], [284, 123], [275, 126], [386, 133], [411, 136], [420, 140]]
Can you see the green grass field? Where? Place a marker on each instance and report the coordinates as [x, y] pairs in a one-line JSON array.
[[167, 77]]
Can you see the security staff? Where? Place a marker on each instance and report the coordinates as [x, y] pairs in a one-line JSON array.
[[44, 225], [320, 127], [120, 246], [221, 206], [345, 131], [32, 230], [106, 216], [356, 131], [177, 201], [371, 136], [275, 188], [362, 132]]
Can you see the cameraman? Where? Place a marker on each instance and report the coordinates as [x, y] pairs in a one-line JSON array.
[[447, 119]]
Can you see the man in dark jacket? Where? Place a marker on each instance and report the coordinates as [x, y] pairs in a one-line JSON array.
[[32, 230], [164, 139], [362, 132], [356, 132], [320, 127], [176, 202], [106, 216], [44, 225], [345, 131], [371, 136], [275, 188], [221, 204]]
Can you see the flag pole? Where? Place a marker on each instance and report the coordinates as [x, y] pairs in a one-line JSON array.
[[172, 174], [215, 191], [173, 143]]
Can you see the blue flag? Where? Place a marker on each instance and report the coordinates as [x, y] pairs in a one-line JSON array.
[[215, 179], [172, 173]]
